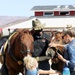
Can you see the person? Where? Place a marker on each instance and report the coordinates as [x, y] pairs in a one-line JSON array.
[[70, 47], [32, 67], [41, 41], [69, 27]]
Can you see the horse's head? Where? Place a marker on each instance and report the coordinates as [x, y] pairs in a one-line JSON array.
[[21, 44], [52, 53], [26, 42], [55, 62]]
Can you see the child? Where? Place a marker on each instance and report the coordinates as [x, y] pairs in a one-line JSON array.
[[32, 67]]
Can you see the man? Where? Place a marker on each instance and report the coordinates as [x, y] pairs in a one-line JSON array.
[[70, 47], [69, 27], [41, 41]]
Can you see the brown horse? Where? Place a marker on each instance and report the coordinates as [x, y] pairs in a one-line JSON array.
[[19, 45], [56, 63]]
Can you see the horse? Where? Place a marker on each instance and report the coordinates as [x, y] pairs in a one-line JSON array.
[[18, 45], [52, 52]]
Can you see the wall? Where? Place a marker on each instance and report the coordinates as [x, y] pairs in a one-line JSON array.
[[72, 13], [56, 13], [38, 13]]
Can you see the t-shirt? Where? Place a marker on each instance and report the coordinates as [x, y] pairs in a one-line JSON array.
[[32, 72], [71, 54], [71, 50]]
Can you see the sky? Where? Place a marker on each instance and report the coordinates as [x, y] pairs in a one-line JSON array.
[[23, 7]]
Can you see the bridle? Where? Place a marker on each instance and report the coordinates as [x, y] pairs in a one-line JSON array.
[[22, 51], [25, 51]]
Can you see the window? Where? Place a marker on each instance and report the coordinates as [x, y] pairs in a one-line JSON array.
[[48, 14], [64, 13]]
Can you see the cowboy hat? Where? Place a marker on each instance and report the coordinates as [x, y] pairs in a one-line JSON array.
[[36, 24], [69, 26]]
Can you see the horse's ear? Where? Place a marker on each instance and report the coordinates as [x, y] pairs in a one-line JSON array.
[[25, 31], [32, 31]]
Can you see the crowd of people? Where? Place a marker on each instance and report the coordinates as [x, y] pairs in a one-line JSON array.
[[39, 62], [42, 41], [69, 53]]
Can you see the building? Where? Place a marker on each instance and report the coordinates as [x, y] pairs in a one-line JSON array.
[[54, 16], [54, 10]]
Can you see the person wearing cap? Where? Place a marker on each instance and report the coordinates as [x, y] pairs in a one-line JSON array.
[[69, 27], [41, 41], [70, 47]]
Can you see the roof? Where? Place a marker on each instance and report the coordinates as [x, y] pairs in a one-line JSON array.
[[9, 20], [53, 7], [13, 23]]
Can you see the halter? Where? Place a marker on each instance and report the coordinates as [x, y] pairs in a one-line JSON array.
[[25, 51], [22, 51]]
